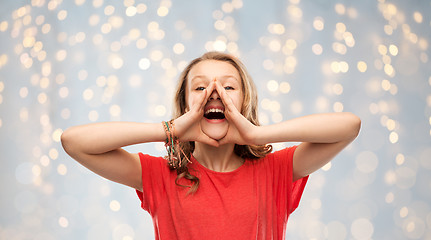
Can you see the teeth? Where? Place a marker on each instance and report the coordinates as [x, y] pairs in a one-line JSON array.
[[212, 110]]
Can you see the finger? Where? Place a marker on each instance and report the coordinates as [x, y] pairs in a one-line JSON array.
[[220, 90], [199, 105], [203, 100], [230, 109], [227, 101], [209, 91], [204, 97], [207, 140], [223, 141]]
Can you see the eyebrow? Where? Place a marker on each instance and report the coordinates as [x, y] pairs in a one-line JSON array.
[[222, 77]]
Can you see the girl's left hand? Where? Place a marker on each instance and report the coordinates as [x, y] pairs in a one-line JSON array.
[[241, 131]]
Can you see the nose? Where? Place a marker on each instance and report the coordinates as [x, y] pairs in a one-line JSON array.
[[214, 96]]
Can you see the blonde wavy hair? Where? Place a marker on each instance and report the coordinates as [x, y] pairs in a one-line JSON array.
[[249, 110]]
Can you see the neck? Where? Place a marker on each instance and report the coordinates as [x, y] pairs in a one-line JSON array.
[[219, 159]]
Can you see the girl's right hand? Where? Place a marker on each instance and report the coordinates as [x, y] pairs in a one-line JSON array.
[[187, 126]]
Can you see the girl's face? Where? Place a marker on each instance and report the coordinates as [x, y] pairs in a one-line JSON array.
[[214, 123]]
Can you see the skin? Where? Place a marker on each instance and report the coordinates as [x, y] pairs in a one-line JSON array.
[[211, 84], [213, 76], [200, 77]]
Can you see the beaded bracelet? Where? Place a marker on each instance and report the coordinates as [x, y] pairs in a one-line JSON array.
[[167, 131]]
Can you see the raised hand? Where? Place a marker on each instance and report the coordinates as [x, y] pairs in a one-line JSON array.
[[241, 131], [187, 126]]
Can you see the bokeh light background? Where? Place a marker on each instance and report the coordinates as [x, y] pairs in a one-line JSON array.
[[64, 63]]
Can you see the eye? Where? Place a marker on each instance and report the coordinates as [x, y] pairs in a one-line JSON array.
[[229, 88], [200, 88]]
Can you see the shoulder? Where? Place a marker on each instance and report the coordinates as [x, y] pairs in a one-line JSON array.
[[280, 157], [144, 156], [155, 170], [282, 154], [152, 162]]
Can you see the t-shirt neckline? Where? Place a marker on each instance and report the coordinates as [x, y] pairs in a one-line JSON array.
[[199, 165]]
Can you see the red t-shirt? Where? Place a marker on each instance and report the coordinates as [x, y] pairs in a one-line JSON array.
[[252, 202]]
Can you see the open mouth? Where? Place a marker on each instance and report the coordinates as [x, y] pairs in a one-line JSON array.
[[214, 114]]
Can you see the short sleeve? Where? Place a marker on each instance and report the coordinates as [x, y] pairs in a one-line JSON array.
[[288, 193], [154, 172]]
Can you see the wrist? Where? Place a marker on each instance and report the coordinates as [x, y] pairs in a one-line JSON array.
[[258, 135], [179, 128]]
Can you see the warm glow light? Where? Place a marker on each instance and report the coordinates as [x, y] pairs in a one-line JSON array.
[[335, 67], [219, 46], [318, 24], [388, 29], [87, 94], [339, 48], [144, 63], [362, 66], [227, 7], [276, 29], [141, 8], [62, 169], [340, 8], [393, 137], [337, 89], [344, 66], [285, 88], [156, 55], [294, 11], [389, 70], [109, 10], [417, 16], [400, 159], [272, 85], [94, 20], [390, 124], [383, 50], [62, 15], [141, 43], [178, 48], [338, 107], [274, 45], [162, 11], [220, 25], [317, 49], [106, 28], [393, 50], [115, 110], [341, 28], [4, 26], [63, 222]]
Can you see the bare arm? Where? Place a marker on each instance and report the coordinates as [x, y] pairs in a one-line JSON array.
[[323, 136], [98, 147]]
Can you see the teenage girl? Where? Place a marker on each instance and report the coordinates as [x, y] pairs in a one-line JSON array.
[[220, 179]]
